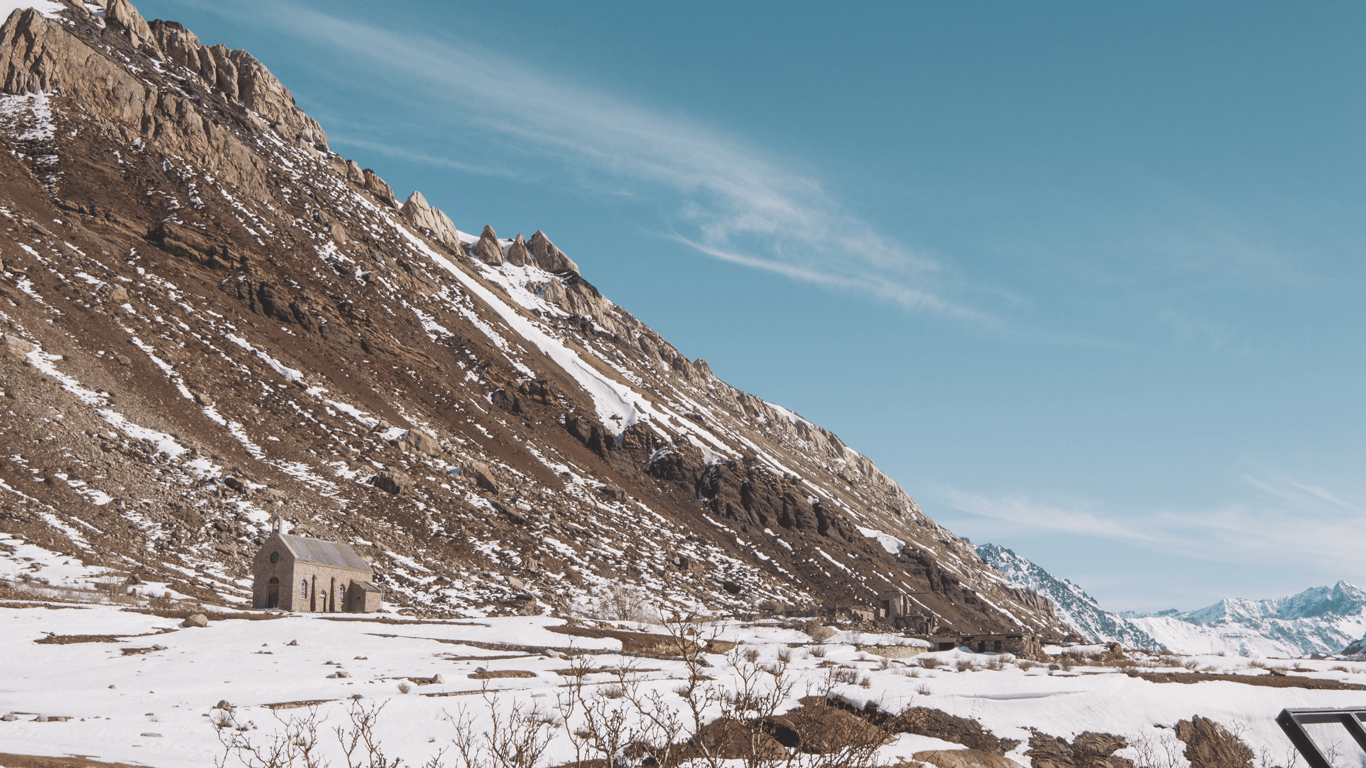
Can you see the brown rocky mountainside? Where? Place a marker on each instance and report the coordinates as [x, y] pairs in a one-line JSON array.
[[209, 316]]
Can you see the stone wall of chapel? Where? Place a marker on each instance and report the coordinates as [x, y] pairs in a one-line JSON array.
[[262, 570], [320, 580]]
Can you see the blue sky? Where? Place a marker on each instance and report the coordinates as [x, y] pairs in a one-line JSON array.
[[1086, 279]]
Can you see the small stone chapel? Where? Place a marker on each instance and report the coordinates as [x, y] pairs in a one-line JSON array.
[[296, 573]]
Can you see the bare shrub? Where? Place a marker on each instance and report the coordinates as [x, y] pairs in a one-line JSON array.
[[784, 655], [1161, 750], [752, 655], [963, 665], [624, 603], [923, 689], [843, 675], [819, 632], [931, 662], [817, 651], [1025, 665], [517, 738]]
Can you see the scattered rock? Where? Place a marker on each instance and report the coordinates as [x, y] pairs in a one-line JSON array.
[[237, 484], [612, 491], [339, 674], [202, 399], [11, 717], [483, 477], [151, 735], [437, 679], [422, 441], [14, 346], [292, 642], [223, 704], [197, 620], [516, 583], [394, 481], [552, 653], [123, 360], [113, 293]]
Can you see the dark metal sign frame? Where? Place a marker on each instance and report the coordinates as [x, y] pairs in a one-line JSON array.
[[1292, 721]]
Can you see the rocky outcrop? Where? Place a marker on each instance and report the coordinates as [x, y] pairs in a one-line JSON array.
[[924, 721], [1088, 750], [548, 257], [376, 186], [488, 249], [518, 255], [419, 213], [1210, 745]]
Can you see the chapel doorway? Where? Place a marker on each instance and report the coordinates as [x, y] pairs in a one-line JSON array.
[[273, 594]]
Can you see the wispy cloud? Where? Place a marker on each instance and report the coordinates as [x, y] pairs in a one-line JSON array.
[[1280, 520], [734, 200]]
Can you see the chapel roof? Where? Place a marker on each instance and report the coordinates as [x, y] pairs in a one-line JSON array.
[[332, 553]]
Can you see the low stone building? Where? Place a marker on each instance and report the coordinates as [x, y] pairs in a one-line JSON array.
[[296, 573]]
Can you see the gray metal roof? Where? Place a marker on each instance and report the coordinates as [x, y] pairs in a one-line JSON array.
[[326, 552], [367, 586]]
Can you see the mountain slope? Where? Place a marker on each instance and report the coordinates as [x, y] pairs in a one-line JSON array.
[[1317, 620], [1072, 605], [209, 316]]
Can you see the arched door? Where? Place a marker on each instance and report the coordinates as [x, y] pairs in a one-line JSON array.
[[273, 593]]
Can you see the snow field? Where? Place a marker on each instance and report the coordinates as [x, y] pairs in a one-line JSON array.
[[114, 700]]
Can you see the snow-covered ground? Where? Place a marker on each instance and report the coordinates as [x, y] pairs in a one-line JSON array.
[[154, 707]]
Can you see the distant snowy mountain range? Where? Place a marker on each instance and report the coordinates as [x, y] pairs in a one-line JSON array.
[[1076, 608], [1317, 620]]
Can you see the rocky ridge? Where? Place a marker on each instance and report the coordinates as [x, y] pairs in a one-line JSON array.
[[209, 316]]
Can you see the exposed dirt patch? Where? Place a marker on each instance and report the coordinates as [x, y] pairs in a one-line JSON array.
[[49, 606], [140, 651], [30, 761], [1270, 681], [184, 613], [76, 639], [572, 672], [390, 620], [501, 673], [296, 704], [635, 642]]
